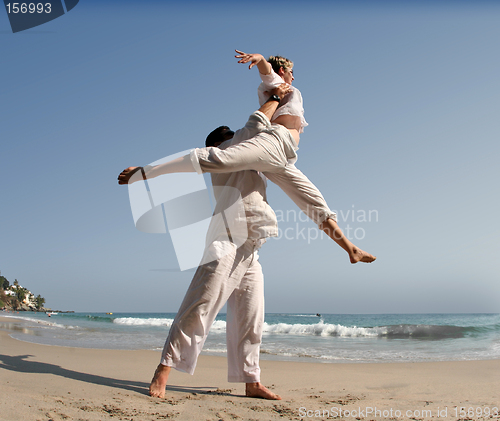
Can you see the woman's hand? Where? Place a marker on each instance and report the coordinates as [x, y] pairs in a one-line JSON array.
[[254, 59]]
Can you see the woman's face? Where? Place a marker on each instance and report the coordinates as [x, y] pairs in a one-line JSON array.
[[287, 74]]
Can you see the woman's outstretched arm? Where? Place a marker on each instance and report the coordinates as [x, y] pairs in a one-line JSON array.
[[255, 59]]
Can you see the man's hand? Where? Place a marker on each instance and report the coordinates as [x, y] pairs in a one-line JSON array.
[[126, 175], [281, 90]]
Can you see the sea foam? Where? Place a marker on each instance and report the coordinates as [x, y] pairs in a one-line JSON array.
[[136, 321]]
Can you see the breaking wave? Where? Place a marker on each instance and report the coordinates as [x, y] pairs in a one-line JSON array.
[[403, 331], [136, 321], [394, 331]]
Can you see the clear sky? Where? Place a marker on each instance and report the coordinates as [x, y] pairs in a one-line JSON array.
[[402, 100]]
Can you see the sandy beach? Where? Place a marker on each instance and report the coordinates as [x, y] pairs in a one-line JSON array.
[[42, 382]]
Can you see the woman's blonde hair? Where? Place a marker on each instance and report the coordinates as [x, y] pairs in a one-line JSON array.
[[278, 61]]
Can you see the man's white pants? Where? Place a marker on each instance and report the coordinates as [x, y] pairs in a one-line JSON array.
[[236, 278]]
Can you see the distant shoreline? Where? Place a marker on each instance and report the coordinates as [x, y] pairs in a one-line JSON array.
[[45, 310]]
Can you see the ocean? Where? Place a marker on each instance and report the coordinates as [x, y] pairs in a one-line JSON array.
[[327, 338]]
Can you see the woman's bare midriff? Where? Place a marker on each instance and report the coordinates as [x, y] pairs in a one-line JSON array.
[[292, 123]]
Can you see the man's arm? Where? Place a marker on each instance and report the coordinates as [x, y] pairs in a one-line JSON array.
[[184, 163], [270, 107]]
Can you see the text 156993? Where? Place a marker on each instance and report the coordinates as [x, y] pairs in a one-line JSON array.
[[28, 8]]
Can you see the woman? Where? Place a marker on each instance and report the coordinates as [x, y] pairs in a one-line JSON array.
[[265, 147], [274, 72]]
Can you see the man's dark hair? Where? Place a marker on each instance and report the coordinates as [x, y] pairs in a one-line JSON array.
[[220, 134]]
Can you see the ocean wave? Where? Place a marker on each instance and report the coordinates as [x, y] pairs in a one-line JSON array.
[[104, 319], [473, 330], [323, 329], [403, 331], [425, 331], [219, 325], [42, 322], [215, 350], [392, 332], [136, 321]]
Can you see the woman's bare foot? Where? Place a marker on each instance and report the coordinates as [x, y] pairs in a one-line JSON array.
[[358, 255], [159, 382], [257, 390]]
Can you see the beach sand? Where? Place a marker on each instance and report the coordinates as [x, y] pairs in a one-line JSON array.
[[40, 382]]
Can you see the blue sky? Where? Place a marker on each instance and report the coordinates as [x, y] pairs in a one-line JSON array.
[[402, 100]]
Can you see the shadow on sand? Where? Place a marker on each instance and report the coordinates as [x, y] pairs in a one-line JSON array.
[[21, 364]]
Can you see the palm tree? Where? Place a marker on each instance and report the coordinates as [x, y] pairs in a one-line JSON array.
[[21, 294], [40, 301], [14, 302], [4, 283]]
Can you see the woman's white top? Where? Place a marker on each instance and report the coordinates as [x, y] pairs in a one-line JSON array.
[[291, 104]]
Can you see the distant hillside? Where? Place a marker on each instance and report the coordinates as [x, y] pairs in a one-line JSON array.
[[18, 298]]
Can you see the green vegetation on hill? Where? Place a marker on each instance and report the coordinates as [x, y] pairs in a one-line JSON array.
[[17, 298]]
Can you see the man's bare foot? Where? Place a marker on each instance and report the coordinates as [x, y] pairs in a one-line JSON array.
[[358, 255], [159, 382], [257, 390]]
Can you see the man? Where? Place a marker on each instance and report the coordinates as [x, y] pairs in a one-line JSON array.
[[236, 275]]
